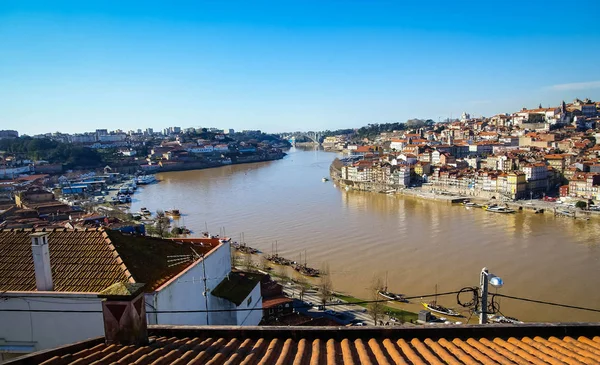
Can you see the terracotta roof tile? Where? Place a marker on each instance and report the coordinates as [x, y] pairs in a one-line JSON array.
[[90, 260], [299, 345]]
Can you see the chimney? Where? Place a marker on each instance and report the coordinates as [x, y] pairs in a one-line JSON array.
[[124, 314], [41, 261]]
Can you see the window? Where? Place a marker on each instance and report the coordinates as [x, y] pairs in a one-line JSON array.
[[271, 311], [249, 300]]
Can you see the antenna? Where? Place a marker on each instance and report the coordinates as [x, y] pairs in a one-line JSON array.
[[174, 260]]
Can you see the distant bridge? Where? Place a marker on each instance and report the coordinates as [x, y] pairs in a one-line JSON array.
[[313, 136]]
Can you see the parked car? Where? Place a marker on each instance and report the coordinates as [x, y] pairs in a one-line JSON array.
[[330, 312]]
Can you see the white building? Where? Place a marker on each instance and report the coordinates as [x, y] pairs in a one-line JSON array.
[[221, 148], [537, 171], [62, 271], [117, 137]]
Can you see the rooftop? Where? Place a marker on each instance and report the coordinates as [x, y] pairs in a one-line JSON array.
[[236, 286], [91, 260], [492, 344]]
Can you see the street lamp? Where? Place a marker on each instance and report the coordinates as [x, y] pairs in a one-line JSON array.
[[496, 281]]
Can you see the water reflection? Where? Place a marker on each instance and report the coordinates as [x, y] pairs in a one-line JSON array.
[[419, 243]]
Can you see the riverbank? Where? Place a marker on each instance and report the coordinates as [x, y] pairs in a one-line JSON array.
[[537, 206], [188, 166]]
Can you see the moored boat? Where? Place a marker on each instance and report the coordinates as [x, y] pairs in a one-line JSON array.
[[173, 213], [434, 307], [498, 209], [392, 296], [325, 179], [503, 319], [145, 179]]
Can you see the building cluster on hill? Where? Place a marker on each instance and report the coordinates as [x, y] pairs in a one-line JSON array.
[[173, 148], [530, 153]]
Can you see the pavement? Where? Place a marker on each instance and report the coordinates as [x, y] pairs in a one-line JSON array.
[[351, 313]]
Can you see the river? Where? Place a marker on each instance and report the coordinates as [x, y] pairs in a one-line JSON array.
[[417, 244]]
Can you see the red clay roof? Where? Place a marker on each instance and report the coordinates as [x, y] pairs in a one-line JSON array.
[[317, 345], [275, 301], [90, 260]]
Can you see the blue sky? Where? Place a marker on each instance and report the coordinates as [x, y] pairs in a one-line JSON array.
[[75, 66]]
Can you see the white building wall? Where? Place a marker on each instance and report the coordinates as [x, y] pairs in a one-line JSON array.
[[45, 330], [254, 316], [186, 291], [14, 171]]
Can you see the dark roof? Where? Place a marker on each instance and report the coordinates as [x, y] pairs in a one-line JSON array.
[[91, 260], [237, 286], [470, 344]]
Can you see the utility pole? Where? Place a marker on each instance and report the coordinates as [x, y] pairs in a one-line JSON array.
[[205, 288], [483, 282]]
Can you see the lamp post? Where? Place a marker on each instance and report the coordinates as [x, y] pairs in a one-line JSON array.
[[496, 281]]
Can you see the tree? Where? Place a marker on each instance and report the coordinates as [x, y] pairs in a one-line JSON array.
[[247, 263], [376, 308], [161, 227], [325, 285], [581, 204], [264, 264], [302, 285]]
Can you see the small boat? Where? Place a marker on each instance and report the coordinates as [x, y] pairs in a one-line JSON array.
[[173, 213], [503, 319], [392, 296], [497, 209], [145, 211], [471, 205], [145, 179], [324, 179], [434, 307]]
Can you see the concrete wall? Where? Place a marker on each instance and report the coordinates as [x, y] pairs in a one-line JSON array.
[[45, 330], [186, 291]]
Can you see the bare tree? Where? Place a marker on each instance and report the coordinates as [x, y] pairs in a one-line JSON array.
[[376, 308], [302, 285], [162, 224], [325, 285], [247, 263], [264, 263], [282, 272], [234, 258]]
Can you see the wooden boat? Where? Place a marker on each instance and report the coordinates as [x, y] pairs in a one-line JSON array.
[[469, 204], [389, 295], [497, 209], [392, 296], [173, 213], [434, 307], [304, 269]]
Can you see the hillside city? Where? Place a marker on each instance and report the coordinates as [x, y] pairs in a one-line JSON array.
[[68, 196], [531, 153]]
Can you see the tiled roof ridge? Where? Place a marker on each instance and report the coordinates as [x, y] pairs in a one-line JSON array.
[[49, 230], [117, 256]]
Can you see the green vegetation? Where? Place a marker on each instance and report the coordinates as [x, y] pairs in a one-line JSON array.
[[372, 130], [581, 205], [51, 151], [402, 315]]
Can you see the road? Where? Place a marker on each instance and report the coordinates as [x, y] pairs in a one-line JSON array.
[[352, 313]]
